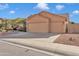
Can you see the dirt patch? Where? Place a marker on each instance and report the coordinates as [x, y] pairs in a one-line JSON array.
[[68, 39]]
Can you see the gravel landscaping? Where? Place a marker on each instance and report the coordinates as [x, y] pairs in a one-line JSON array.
[[68, 39]]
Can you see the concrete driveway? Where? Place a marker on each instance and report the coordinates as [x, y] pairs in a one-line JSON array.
[[26, 35]]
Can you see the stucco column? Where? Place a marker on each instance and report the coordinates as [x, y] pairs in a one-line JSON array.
[[49, 26], [66, 27]]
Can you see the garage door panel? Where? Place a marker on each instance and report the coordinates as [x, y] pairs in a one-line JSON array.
[[38, 27], [58, 27]]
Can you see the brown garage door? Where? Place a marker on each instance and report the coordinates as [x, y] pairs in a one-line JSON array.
[[57, 27], [38, 27]]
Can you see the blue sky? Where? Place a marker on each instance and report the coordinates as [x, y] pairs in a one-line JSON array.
[[23, 10]]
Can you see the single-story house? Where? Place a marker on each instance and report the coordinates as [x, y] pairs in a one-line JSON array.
[[49, 23]]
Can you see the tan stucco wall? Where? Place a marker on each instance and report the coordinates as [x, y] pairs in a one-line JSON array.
[[73, 28], [37, 18], [54, 17]]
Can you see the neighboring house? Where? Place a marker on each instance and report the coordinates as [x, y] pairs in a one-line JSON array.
[[47, 22]]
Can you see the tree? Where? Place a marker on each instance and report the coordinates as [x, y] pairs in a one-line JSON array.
[[72, 22]]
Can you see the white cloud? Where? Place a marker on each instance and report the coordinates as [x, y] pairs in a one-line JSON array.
[[3, 6], [12, 11], [75, 12], [42, 6], [59, 7]]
